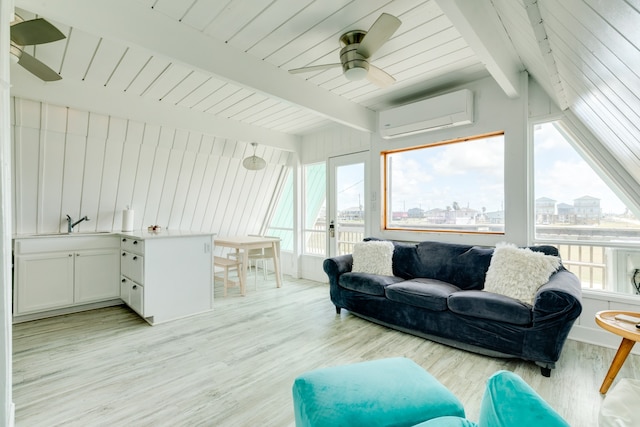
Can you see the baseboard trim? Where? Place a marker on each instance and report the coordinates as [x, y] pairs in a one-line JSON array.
[[67, 310]]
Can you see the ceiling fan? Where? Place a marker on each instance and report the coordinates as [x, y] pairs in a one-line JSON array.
[[33, 32], [358, 47]]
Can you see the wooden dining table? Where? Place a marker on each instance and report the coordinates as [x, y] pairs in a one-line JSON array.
[[242, 245]]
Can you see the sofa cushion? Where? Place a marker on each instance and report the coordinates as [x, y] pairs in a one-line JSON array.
[[519, 272], [426, 293], [489, 306], [405, 259], [470, 268], [435, 260], [371, 284]]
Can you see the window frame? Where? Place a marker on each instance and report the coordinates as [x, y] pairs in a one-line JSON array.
[[385, 185]]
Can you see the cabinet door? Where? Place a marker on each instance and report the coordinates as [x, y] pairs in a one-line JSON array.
[[97, 275], [44, 281], [136, 298], [125, 285]]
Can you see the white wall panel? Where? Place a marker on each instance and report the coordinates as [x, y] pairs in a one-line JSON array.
[[213, 205], [51, 168], [180, 196], [204, 194], [156, 187], [169, 187], [126, 181], [193, 191], [109, 187], [142, 184], [92, 182], [72, 180], [81, 163], [331, 141]]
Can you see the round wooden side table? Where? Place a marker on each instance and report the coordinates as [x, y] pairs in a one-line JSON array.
[[630, 334]]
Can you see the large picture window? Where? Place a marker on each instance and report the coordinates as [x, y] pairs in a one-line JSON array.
[[572, 202], [453, 186]]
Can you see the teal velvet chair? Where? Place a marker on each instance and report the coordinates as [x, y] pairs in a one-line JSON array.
[[397, 392], [508, 401]]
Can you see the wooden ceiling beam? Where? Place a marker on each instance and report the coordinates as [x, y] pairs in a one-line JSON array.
[[479, 24]]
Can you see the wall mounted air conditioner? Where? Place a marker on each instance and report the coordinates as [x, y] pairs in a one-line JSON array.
[[451, 109]]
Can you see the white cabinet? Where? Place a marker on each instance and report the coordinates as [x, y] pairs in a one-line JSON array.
[[45, 281], [96, 275], [161, 277], [59, 272], [165, 277]]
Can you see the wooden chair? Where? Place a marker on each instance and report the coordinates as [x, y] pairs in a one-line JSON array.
[[226, 264]]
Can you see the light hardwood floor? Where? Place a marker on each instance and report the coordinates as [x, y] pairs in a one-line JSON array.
[[235, 365]]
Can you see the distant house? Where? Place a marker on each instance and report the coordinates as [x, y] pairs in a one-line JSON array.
[[545, 210], [415, 213], [396, 216], [565, 212], [352, 214], [436, 216], [587, 210]]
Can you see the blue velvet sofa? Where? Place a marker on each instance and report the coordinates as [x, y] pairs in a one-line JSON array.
[[436, 292]]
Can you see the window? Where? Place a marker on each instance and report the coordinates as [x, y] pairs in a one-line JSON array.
[[315, 223], [575, 210], [448, 186], [572, 202], [281, 224]]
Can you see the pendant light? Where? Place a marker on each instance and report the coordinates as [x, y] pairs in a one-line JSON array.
[[254, 163]]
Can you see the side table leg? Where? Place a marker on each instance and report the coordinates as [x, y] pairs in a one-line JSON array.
[[621, 355]]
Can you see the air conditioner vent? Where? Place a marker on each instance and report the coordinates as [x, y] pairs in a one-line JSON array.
[[451, 109]]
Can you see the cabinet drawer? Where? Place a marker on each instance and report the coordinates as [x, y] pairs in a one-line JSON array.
[[132, 266], [132, 245]]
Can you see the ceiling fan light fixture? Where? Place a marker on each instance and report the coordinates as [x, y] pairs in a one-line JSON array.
[[356, 73], [254, 163]]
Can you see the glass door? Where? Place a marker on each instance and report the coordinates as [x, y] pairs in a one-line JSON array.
[[347, 194]]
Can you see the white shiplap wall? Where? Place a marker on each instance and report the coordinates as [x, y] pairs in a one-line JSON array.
[[80, 163], [333, 140]]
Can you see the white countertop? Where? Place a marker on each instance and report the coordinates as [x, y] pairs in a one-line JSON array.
[[137, 234]]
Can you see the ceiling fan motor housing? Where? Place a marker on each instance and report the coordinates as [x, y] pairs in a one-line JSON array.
[[354, 65]]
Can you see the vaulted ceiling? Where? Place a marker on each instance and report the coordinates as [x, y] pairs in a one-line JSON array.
[[221, 66]]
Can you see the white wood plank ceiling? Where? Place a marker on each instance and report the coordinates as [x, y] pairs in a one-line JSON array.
[[272, 36], [220, 66]]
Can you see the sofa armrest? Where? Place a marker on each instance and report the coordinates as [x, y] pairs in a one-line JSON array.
[[338, 265], [335, 267], [560, 297]]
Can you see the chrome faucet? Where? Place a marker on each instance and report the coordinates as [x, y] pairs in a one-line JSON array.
[[71, 224]]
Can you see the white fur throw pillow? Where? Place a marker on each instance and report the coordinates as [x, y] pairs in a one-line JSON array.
[[518, 273], [374, 257]]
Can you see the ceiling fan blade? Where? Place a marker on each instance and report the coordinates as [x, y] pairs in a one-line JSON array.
[[35, 31], [38, 68], [314, 68], [378, 34], [379, 77]]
